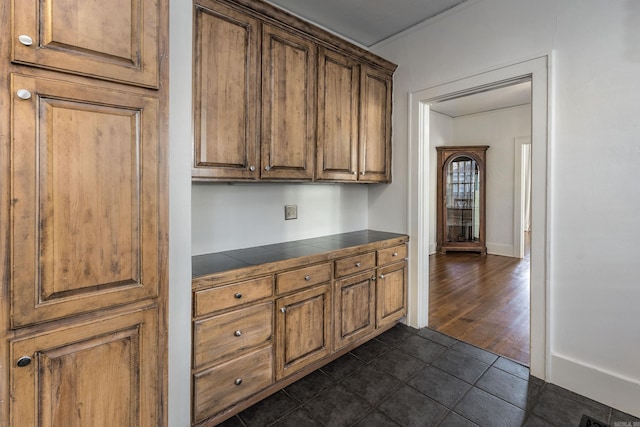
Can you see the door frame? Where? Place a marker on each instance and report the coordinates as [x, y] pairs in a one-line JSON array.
[[520, 187], [539, 70]]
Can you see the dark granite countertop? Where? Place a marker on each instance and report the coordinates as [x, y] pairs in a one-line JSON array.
[[203, 265]]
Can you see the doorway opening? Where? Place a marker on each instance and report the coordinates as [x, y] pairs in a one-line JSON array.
[[421, 164], [484, 299]]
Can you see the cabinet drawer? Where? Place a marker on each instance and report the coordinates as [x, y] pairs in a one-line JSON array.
[[394, 254], [303, 277], [219, 337], [229, 296], [355, 264], [224, 385]]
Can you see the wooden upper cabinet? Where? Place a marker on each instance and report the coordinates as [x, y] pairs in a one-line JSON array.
[[226, 82], [85, 165], [277, 99], [117, 40], [354, 120], [288, 105], [94, 374], [338, 94], [375, 126]]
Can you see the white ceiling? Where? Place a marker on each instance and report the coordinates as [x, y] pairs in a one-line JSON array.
[[494, 99], [366, 21]]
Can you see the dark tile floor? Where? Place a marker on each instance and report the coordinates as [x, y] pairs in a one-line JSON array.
[[409, 377]]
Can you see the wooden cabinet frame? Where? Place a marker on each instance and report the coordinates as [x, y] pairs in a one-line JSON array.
[[323, 306], [278, 99]]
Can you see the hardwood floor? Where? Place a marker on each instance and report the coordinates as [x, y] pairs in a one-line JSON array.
[[482, 300]]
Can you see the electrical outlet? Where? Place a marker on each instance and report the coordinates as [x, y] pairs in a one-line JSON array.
[[290, 212]]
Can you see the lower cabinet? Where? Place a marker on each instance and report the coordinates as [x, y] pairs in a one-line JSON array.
[[391, 293], [354, 312], [226, 384], [258, 329], [101, 370], [303, 327]]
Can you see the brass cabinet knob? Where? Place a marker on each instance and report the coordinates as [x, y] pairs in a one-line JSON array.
[[23, 361], [307, 278], [238, 295], [238, 381], [238, 333]]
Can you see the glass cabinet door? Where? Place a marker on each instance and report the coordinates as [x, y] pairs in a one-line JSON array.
[[462, 196]]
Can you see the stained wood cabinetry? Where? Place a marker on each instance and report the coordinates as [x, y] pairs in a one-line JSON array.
[[354, 120], [288, 98], [323, 111], [226, 84], [257, 329], [84, 224], [102, 372], [304, 329], [81, 37]]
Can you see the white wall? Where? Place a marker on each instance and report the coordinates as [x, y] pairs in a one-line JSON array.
[[593, 292], [226, 217], [180, 134], [440, 133], [498, 129]]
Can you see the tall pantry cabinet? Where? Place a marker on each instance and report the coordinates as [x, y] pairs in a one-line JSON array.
[[83, 163]]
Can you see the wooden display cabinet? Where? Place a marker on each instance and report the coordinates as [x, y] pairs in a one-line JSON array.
[[461, 195]]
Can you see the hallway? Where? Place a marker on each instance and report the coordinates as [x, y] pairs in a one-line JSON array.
[[482, 300]]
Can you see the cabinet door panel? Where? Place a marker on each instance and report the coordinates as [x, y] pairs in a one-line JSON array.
[[354, 308], [82, 37], [375, 126], [288, 105], [85, 171], [303, 329], [338, 95], [225, 93], [98, 374], [391, 293]]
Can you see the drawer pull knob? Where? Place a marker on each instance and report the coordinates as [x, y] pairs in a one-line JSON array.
[[238, 381], [395, 254], [238, 295], [238, 333], [358, 264], [23, 361], [307, 278], [23, 94], [382, 276], [25, 39], [283, 309]]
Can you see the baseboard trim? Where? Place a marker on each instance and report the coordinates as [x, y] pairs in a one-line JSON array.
[[597, 384], [500, 249]]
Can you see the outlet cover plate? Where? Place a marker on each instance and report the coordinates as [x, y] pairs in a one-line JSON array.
[[290, 212]]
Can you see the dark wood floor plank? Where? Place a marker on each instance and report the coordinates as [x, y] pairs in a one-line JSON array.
[[482, 300]]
